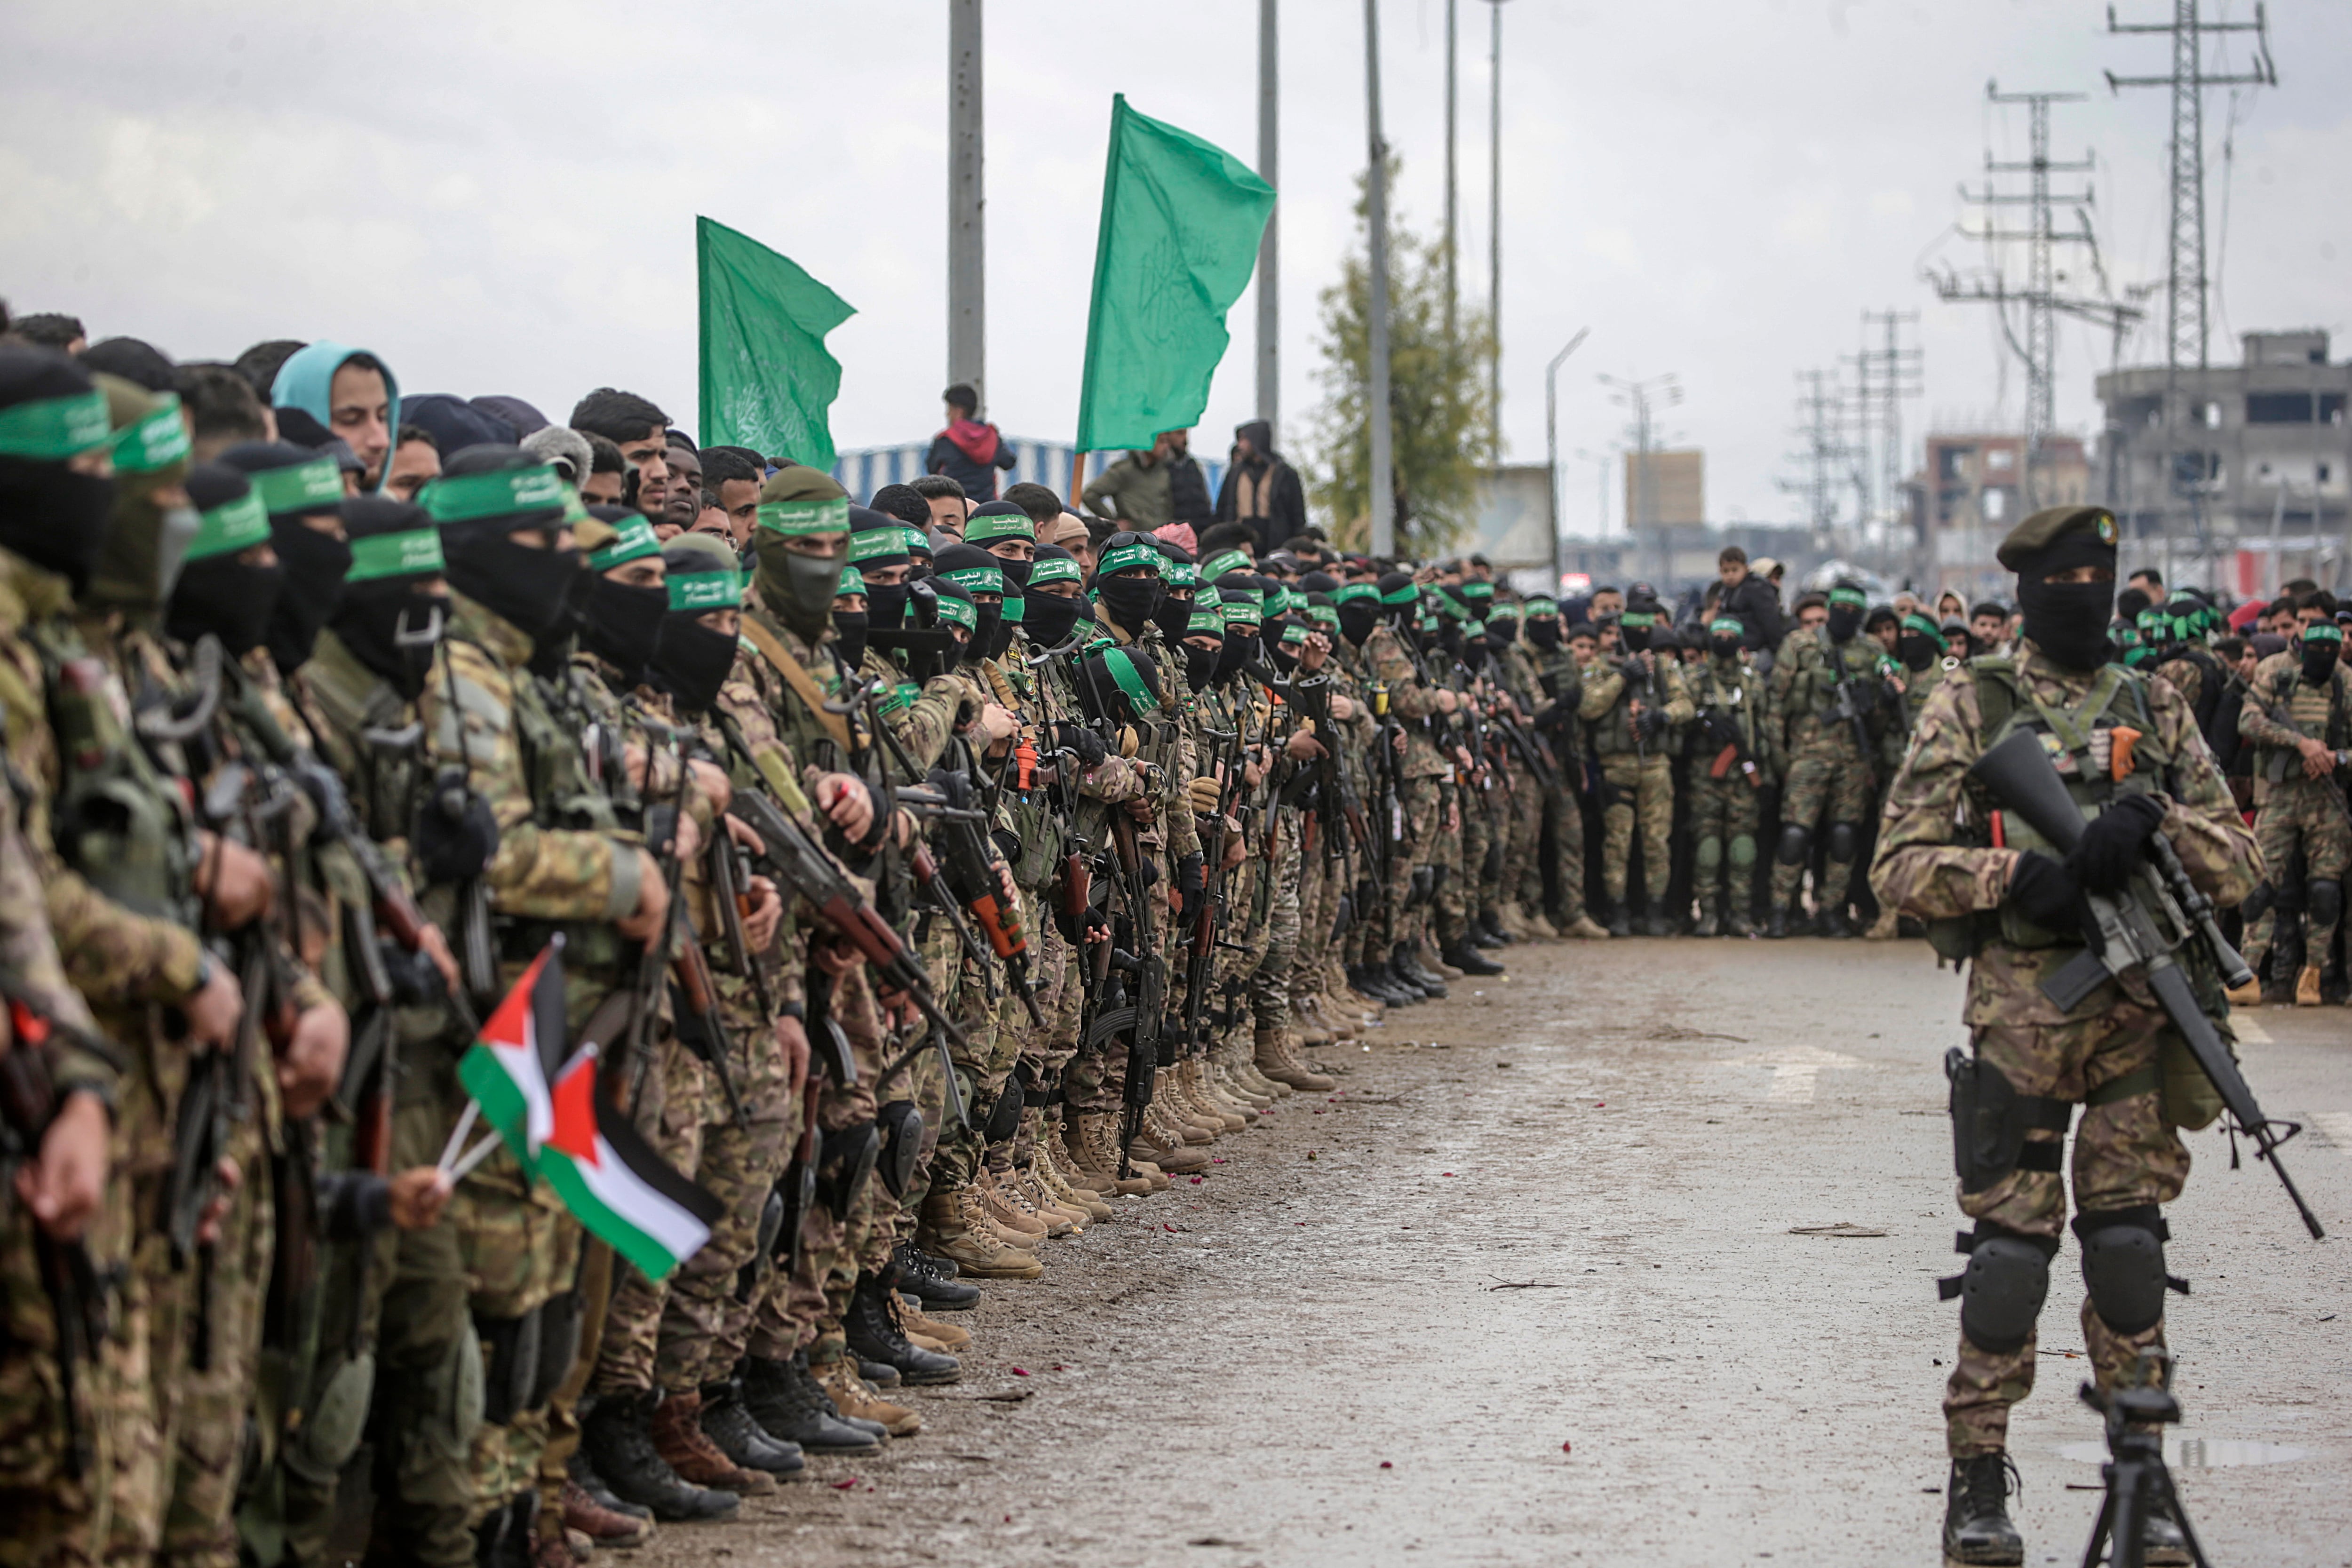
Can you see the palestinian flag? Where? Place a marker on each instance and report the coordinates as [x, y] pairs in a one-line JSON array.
[[613, 1181], [510, 1065]]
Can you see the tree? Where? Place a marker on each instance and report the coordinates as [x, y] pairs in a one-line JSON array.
[[1439, 412]]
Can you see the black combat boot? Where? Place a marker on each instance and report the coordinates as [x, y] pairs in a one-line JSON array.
[[1407, 964], [1833, 923], [1491, 922], [1659, 923], [503, 1538], [1484, 932], [1976, 1512], [786, 1403], [1470, 961], [1735, 918], [1709, 923], [1778, 926], [1401, 984], [617, 1437], [873, 1332], [931, 1280], [1619, 922], [744, 1441]]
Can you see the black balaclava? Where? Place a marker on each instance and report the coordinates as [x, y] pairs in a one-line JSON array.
[[2067, 621], [1847, 608], [1501, 633], [1132, 602], [1637, 637], [1917, 645], [1240, 650], [1283, 654], [2322, 645], [989, 633], [620, 625], [943, 590], [849, 636], [1358, 616], [52, 516], [1544, 632], [531, 590], [391, 622], [1201, 663], [1175, 612], [689, 660], [1399, 608], [218, 594], [873, 550], [1046, 618], [314, 562]]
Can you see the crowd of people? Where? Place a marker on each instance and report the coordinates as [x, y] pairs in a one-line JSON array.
[[546, 963]]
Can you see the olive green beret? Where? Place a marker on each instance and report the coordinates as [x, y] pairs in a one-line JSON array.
[[2028, 540]]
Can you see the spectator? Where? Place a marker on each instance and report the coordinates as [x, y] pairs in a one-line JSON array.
[[950, 500], [1989, 623], [1134, 490], [684, 502], [968, 451], [259, 365], [223, 410], [608, 472], [561, 445], [1261, 488], [416, 463], [1752, 599], [350, 393], [642, 432], [52, 330], [1188, 488], [2149, 582], [734, 475]]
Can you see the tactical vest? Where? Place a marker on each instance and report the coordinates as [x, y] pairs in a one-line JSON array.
[[1711, 692], [563, 798], [2319, 714], [120, 820]]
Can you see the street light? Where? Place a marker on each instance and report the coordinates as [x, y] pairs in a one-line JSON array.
[[1551, 443]]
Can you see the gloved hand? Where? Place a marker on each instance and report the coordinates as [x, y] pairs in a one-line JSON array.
[[1723, 730], [2110, 848], [2046, 893], [1648, 722], [1077, 739], [456, 833], [1205, 793], [1192, 886]]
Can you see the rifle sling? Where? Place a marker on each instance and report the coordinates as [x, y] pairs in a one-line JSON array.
[[772, 647]]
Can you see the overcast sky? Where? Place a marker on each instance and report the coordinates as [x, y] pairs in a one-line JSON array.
[[501, 197]]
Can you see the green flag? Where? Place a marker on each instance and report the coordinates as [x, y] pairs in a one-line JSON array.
[[1180, 221], [767, 381]]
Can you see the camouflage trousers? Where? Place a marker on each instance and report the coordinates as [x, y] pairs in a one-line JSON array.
[[669, 1112], [1523, 844], [1645, 798], [1482, 824], [2125, 1155], [1322, 882], [520, 1249], [2299, 814], [1431, 805], [1724, 816], [1829, 786], [1269, 977], [1044, 1049]]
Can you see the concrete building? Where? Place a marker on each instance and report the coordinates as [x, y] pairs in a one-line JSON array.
[[1971, 491], [2258, 452]]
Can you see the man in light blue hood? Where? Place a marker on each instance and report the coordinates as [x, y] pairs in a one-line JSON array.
[[346, 393]]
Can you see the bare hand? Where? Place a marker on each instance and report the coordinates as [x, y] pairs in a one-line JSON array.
[[836, 958], [1396, 742], [1303, 747], [1142, 808], [1446, 702], [232, 881], [435, 948], [213, 1010], [843, 798], [633, 761], [62, 1188], [712, 781], [1236, 851], [1004, 887], [644, 922], [2318, 761], [312, 1063], [766, 913], [1343, 709], [418, 1196], [998, 724], [1314, 651], [228, 1176], [793, 1043], [689, 839]]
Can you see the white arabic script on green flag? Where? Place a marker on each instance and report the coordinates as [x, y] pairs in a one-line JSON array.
[[767, 381], [1180, 221]]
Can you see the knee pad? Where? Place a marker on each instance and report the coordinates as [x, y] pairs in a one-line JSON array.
[[2326, 901], [2287, 895], [1743, 851], [2123, 1266], [2003, 1288], [1795, 841], [1710, 854], [1844, 842], [845, 1158], [2258, 904], [1005, 1116]]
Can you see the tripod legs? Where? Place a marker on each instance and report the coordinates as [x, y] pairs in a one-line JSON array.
[[2138, 1488]]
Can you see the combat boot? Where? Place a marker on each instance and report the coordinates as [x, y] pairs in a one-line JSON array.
[[693, 1457], [979, 1217], [584, 1476], [602, 1525], [930, 1332], [1244, 1068], [1409, 964], [1709, 922], [1659, 923], [1223, 1095], [1097, 1150], [2306, 986], [788, 1406], [1088, 1173], [729, 1425], [975, 1252], [857, 1401], [1277, 1062], [1306, 1009], [1227, 1074], [1177, 1127], [1477, 932], [873, 1334], [1619, 920], [618, 1436], [1832, 924], [1009, 1194], [1066, 1193], [1170, 1158], [1977, 1529], [1584, 928], [1470, 961], [1030, 1180], [1232, 1118], [2249, 995], [1735, 919], [498, 1541], [1778, 927], [1542, 927], [923, 1278]]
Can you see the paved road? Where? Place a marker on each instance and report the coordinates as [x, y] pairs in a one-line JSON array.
[[1534, 1296]]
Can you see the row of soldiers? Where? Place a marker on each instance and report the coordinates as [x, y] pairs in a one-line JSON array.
[[897, 899]]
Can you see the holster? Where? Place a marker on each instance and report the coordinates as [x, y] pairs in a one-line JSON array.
[[1990, 1120]]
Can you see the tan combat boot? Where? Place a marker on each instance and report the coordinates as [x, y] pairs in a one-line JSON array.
[[1203, 1091], [1011, 1192], [1066, 1193], [854, 1397], [2306, 986], [1316, 1029], [1172, 1158], [1098, 1147], [944, 1338], [1273, 1061], [1022, 1230], [976, 1253], [678, 1439], [1173, 1125], [1032, 1187], [1583, 929], [1512, 919], [1220, 1068], [1539, 926], [1085, 1173], [1245, 1073], [1345, 1030]]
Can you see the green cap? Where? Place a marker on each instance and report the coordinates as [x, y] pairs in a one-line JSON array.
[[159, 439], [314, 486], [631, 541], [51, 430], [232, 526], [415, 553], [797, 519]]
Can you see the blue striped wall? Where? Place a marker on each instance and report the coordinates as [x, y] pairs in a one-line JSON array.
[[1047, 463]]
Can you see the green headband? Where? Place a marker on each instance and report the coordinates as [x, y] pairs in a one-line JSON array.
[[1543, 609], [1852, 599], [1915, 622], [313, 486], [1404, 594], [1016, 609], [1209, 622], [1323, 615], [1280, 600], [853, 581], [977, 579], [1206, 597], [416, 552], [918, 542], [1131, 681], [158, 440], [1637, 619], [796, 519], [1128, 556], [2325, 631], [51, 430], [1729, 624], [633, 542], [1350, 592], [232, 526], [1476, 589], [1241, 607], [875, 541], [1225, 561], [1295, 633], [1183, 574], [999, 525], [955, 612], [475, 498], [691, 593], [1056, 569]]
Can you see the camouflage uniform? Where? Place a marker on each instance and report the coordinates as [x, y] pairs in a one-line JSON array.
[[1422, 774], [1638, 770], [2294, 813], [1935, 862], [1829, 772], [1730, 698], [1561, 683]]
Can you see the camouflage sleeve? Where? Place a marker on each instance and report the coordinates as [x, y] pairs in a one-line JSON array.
[[27, 949], [1408, 698], [547, 873], [1680, 709], [111, 953], [2216, 847], [925, 726], [1112, 780], [2254, 722], [1602, 686], [1920, 868]]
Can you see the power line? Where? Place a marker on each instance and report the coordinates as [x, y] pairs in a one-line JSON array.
[[1886, 374], [1826, 458]]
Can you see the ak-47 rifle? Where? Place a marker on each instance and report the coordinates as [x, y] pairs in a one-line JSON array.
[[2137, 932], [654, 960], [972, 878], [1201, 942]]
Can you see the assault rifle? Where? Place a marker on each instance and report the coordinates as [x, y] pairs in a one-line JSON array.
[[2137, 932]]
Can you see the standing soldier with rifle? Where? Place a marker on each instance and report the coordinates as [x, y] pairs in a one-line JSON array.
[[2298, 715], [1420, 705], [2052, 1026], [1825, 692], [1731, 764], [1627, 706], [1561, 680]]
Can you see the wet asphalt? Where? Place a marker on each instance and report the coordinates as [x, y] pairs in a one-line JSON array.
[[1556, 1276]]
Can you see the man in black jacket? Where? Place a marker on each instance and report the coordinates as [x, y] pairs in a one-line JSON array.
[[1261, 489], [1755, 602]]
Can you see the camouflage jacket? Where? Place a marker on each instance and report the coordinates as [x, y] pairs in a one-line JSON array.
[[1733, 691], [1169, 756], [1610, 693], [1412, 701], [1806, 675]]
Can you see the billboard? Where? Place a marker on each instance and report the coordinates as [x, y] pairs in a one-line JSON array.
[[1676, 485]]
